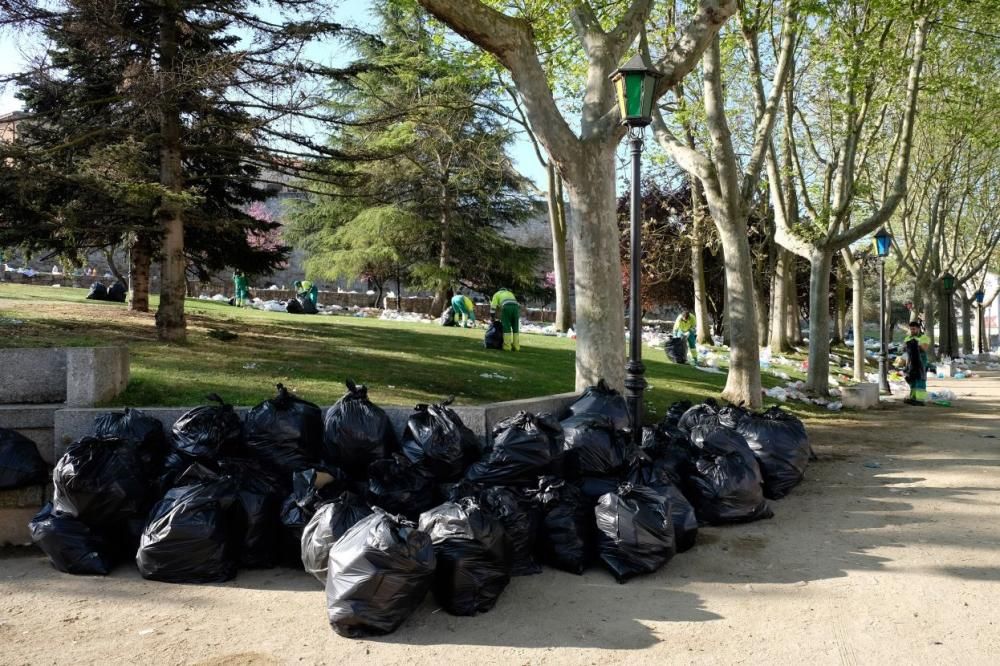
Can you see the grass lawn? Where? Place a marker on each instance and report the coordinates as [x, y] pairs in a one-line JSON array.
[[402, 363]]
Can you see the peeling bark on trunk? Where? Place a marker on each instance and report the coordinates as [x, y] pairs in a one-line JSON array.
[[600, 310], [138, 295], [560, 265], [818, 380], [170, 322]]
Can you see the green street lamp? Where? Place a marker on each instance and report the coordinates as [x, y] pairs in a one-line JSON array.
[[948, 282], [883, 243], [980, 330], [634, 84]]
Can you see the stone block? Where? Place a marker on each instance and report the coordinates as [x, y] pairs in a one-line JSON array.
[[860, 396], [32, 376], [14, 526], [95, 374], [34, 422]]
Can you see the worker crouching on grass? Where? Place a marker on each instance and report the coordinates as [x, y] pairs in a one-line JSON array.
[[916, 343], [306, 289], [464, 309], [505, 306]]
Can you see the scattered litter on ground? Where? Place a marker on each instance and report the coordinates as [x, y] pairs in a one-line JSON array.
[[872, 464]]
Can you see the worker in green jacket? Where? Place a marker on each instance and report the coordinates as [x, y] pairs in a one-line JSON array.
[[306, 289], [464, 309], [241, 288], [916, 344], [505, 305], [686, 326]]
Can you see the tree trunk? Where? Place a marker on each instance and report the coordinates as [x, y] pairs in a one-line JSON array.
[[818, 377], [857, 287], [441, 294], [399, 291], [966, 324], [704, 331], [778, 339], [841, 310], [109, 256], [600, 311], [792, 323], [929, 303], [743, 382], [138, 294], [170, 323], [560, 266], [760, 310]]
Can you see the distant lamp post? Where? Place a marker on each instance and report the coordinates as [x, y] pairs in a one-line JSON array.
[[948, 282], [980, 297], [883, 243], [634, 84]]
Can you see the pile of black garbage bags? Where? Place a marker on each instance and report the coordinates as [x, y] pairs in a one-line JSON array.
[[382, 520], [115, 293]]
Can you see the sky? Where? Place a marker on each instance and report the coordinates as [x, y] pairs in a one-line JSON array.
[[13, 50]]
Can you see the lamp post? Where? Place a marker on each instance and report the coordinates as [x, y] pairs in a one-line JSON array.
[[980, 297], [948, 282], [883, 243], [634, 83]]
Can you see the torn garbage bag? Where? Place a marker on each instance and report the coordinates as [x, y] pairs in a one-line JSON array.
[[437, 441], [20, 463], [285, 431], [601, 400], [193, 533], [331, 521], [357, 432], [635, 534], [473, 556], [379, 572], [70, 545], [525, 446]]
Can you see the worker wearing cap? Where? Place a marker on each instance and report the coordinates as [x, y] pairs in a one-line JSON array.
[[464, 309], [305, 288], [505, 305]]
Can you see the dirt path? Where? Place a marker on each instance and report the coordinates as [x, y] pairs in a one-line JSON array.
[[886, 554]]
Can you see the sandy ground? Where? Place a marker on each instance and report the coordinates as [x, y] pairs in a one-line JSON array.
[[886, 554]]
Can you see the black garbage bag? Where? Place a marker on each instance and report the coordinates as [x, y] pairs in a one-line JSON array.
[[70, 545], [293, 306], [601, 400], [677, 349], [436, 440], [379, 572], [20, 463], [724, 483], [674, 414], [705, 414], [519, 516], [780, 443], [593, 447], [141, 431], [566, 525], [306, 304], [357, 432], [175, 464], [311, 488], [117, 292], [397, 486], [473, 556], [448, 317], [208, 432], [98, 292], [285, 431], [331, 521], [494, 336], [730, 415], [259, 495], [193, 534], [658, 477], [102, 483], [635, 533], [525, 447]]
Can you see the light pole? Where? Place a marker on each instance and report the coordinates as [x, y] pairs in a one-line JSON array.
[[883, 242], [634, 83], [948, 282], [980, 297]]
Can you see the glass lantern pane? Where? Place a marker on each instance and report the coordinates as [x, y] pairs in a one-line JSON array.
[[619, 82], [633, 94]]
